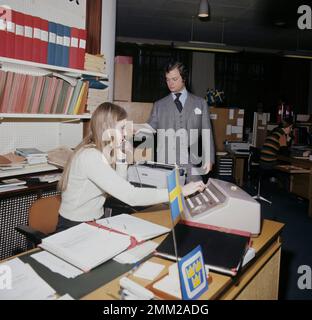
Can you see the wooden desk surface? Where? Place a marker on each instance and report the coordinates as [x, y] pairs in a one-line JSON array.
[[220, 283], [303, 163]]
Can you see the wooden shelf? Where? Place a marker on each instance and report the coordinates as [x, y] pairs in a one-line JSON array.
[[6, 62], [27, 169], [44, 116]]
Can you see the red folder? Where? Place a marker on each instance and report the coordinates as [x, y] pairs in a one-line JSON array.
[[28, 37], [82, 48], [36, 48], [18, 19], [44, 41], [3, 31], [10, 34], [73, 49]]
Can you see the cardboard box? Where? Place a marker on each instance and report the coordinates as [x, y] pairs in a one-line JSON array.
[[123, 78], [138, 112]]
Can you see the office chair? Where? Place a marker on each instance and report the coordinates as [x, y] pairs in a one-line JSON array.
[[42, 221], [254, 169]]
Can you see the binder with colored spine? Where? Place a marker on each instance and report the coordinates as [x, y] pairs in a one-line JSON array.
[[44, 41], [28, 37], [73, 50], [36, 48], [18, 18], [52, 43], [3, 31], [81, 48], [66, 45], [59, 44], [10, 35]]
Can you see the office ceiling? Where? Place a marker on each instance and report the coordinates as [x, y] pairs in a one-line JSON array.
[[269, 24]]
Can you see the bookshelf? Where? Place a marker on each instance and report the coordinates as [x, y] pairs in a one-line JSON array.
[[55, 117], [9, 64]]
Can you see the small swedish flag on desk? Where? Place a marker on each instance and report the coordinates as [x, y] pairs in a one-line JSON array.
[[176, 199]]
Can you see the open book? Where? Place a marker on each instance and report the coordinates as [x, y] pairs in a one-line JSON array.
[[86, 246], [138, 228]]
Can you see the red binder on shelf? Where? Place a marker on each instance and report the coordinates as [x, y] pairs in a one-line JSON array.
[[28, 37], [10, 34], [3, 31], [44, 41], [82, 48], [36, 48], [73, 49], [18, 19]]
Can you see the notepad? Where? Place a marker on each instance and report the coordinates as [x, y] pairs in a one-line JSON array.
[[138, 228], [86, 246]]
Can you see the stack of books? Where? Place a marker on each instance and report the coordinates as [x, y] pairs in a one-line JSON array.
[[12, 184], [95, 63], [96, 97], [32, 155], [11, 161]]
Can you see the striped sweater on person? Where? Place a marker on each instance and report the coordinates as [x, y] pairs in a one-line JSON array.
[[271, 146]]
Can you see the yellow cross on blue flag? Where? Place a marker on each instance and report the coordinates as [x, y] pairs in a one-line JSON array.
[[176, 199], [193, 276]]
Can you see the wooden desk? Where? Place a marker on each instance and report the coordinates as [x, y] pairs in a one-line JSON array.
[[301, 183], [259, 279]]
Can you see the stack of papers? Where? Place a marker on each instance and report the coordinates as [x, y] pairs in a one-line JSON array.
[[138, 228], [11, 184], [86, 246], [48, 177], [23, 283], [95, 63], [137, 253], [149, 270], [170, 284], [11, 161], [33, 155], [56, 264]]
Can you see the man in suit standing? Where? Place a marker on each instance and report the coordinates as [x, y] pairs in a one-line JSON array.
[[183, 126]]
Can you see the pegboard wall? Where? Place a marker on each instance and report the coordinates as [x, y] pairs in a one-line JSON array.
[[42, 135], [14, 211]]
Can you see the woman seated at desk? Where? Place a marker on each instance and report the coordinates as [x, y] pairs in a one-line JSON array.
[[274, 143], [95, 169]]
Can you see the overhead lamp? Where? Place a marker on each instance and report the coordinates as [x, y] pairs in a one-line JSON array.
[[205, 46], [203, 11], [298, 56]]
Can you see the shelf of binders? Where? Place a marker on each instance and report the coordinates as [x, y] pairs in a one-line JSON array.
[[13, 64], [44, 116]]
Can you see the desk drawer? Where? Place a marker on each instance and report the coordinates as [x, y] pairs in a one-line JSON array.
[[299, 184]]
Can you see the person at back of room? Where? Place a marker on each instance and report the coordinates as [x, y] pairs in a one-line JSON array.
[[275, 142]]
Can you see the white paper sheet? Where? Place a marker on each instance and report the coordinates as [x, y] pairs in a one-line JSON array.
[[26, 284], [56, 264], [149, 270], [136, 227], [137, 253]]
